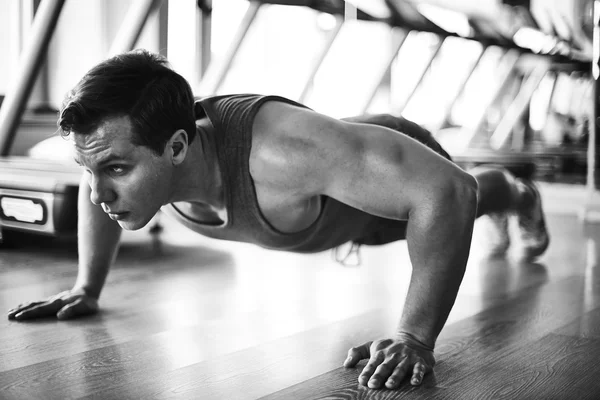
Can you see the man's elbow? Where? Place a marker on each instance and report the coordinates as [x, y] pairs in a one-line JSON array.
[[464, 192], [457, 196]]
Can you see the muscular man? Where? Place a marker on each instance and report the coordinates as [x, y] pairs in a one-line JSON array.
[[269, 171]]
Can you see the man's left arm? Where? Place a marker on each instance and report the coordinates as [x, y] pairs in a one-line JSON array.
[[438, 237], [384, 173]]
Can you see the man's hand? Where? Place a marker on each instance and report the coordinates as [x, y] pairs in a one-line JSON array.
[[68, 304], [391, 360]]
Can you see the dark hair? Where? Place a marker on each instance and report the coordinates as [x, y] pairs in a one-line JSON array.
[[137, 84]]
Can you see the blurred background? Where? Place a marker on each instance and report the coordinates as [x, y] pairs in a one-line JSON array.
[[496, 81]]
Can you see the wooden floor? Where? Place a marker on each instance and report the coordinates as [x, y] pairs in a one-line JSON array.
[[186, 317]]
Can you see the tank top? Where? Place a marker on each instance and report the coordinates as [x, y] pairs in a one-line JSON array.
[[232, 117]]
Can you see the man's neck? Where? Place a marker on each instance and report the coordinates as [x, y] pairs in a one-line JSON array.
[[199, 177]]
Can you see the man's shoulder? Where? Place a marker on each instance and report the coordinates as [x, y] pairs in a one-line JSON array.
[[286, 120], [241, 100], [280, 151], [293, 146], [233, 107], [290, 129], [220, 103]]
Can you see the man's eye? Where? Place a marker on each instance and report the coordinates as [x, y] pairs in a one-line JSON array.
[[116, 170]]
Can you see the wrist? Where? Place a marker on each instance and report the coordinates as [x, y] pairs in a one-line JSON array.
[[414, 341], [86, 289]]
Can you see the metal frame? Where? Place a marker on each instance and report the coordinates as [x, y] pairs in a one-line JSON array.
[[163, 28], [215, 74], [132, 26], [34, 54], [339, 22], [427, 67], [399, 36], [203, 49], [31, 62], [506, 71], [517, 107], [407, 15], [461, 88], [43, 80]]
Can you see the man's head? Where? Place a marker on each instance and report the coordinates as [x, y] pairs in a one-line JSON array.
[[132, 120], [139, 85]]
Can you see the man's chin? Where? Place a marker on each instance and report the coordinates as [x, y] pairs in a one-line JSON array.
[[132, 225]]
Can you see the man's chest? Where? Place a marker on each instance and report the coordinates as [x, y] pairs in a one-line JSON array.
[[285, 212]]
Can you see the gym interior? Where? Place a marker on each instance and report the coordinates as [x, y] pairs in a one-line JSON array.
[[508, 82]]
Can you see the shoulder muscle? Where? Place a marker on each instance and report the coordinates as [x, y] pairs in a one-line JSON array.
[[294, 147]]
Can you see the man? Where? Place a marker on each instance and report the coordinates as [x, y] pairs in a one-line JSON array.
[[269, 171]]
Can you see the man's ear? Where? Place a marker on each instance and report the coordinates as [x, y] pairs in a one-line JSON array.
[[177, 147]]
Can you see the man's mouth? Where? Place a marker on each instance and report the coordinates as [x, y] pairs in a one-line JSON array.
[[116, 216]]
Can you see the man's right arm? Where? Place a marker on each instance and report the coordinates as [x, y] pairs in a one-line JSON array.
[[97, 241]]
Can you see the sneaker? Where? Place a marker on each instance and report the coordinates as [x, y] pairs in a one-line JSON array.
[[532, 225], [496, 239]]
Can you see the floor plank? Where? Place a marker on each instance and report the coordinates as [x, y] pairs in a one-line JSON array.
[[526, 372], [470, 344], [548, 368], [187, 317], [587, 326], [205, 374]]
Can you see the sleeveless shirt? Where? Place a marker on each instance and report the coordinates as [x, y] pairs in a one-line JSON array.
[[232, 117]]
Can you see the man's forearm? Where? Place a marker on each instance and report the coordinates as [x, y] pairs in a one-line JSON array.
[[97, 241], [439, 239]]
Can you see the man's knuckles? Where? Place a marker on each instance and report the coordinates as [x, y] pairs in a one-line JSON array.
[[381, 344], [379, 356], [384, 370]]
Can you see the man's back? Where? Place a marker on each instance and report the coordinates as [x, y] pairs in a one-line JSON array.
[[266, 201]]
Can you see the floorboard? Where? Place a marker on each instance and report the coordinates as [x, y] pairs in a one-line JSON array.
[[587, 326], [518, 323], [189, 318]]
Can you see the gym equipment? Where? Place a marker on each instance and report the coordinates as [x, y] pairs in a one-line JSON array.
[[38, 196]]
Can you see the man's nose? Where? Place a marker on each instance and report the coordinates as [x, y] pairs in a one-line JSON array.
[[101, 192]]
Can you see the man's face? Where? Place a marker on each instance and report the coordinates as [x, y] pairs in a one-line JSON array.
[[128, 181]]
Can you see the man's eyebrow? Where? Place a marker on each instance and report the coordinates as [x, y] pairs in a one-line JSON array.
[[104, 161]]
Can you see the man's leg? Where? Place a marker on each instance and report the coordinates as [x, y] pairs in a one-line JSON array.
[[502, 195], [498, 191]]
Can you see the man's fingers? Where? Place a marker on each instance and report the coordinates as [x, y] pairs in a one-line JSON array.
[[25, 305], [398, 374], [384, 370], [64, 305], [40, 310], [78, 308], [369, 369], [21, 307], [418, 373], [356, 354]]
